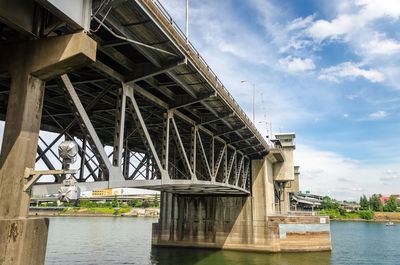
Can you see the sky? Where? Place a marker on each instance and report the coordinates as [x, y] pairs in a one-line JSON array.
[[326, 70]]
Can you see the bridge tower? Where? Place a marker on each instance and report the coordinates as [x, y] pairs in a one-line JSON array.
[[284, 171]]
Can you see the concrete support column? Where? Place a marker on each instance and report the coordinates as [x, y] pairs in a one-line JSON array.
[[22, 240]]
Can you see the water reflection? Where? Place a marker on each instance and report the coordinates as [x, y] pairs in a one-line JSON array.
[[189, 256]]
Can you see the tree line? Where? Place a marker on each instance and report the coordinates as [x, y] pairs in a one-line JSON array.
[[375, 203]]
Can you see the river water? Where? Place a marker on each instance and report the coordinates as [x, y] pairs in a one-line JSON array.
[[117, 240]]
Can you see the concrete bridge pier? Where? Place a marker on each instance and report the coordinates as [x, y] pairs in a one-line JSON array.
[[27, 65], [221, 221], [22, 240], [246, 223]]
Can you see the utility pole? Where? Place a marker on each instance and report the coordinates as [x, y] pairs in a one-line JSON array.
[[187, 21], [254, 103], [254, 99]]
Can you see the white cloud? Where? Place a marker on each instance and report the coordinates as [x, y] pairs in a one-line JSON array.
[[390, 175], [350, 70], [346, 115], [348, 23], [381, 46], [300, 23], [329, 173], [378, 115], [352, 97], [297, 64], [323, 29]]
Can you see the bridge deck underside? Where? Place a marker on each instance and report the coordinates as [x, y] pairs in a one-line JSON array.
[[174, 186], [161, 82]]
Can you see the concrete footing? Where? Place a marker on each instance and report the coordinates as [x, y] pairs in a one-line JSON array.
[[23, 241]]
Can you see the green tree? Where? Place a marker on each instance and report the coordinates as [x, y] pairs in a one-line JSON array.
[[328, 203], [115, 201], [391, 204], [134, 202], [367, 215], [156, 203], [376, 203], [84, 203], [364, 203]]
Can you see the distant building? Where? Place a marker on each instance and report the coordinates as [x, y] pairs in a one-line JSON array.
[[104, 192], [384, 199]]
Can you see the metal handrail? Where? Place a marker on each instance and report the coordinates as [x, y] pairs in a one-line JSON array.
[[296, 213], [167, 16]]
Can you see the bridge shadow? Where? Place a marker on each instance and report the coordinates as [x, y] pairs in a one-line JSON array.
[[198, 256]]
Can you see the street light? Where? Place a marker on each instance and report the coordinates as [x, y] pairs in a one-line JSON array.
[[187, 21], [254, 98]]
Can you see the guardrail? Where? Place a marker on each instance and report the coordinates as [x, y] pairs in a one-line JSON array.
[[167, 16], [296, 213]]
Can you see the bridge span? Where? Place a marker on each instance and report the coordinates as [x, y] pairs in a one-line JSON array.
[[121, 79]]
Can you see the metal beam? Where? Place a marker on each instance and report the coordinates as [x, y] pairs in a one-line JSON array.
[[182, 151], [48, 163], [119, 127], [137, 116], [97, 146], [219, 117], [235, 129], [244, 139], [238, 172], [204, 154], [143, 73], [138, 167], [219, 160], [185, 101], [232, 160]]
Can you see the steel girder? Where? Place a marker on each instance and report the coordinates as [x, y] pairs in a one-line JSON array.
[[180, 166]]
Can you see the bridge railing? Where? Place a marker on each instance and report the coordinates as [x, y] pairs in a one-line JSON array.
[[296, 213], [196, 52]]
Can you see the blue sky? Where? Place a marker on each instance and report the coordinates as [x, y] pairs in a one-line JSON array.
[[327, 70]]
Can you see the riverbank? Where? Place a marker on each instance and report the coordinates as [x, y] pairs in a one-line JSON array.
[[378, 217], [86, 212]]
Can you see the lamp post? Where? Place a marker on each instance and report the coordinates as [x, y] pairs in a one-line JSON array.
[[187, 21], [254, 98]]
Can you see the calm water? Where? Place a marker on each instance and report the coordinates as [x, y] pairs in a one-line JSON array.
[[115, 240]]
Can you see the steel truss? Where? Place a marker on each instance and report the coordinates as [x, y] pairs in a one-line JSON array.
[[160, 150]]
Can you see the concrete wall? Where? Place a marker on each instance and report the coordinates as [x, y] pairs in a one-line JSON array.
[[238, 223], [294, 185], [283, 171]]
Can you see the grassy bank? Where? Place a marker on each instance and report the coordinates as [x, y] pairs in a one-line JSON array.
[[98, 211], [342, 215]]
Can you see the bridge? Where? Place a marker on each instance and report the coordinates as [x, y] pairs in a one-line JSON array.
[[122, 80], [153, 98]]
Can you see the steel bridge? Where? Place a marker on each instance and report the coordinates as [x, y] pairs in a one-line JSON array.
[[149, 95]]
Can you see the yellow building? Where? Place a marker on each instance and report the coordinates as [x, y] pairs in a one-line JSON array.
[[104, 192]]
